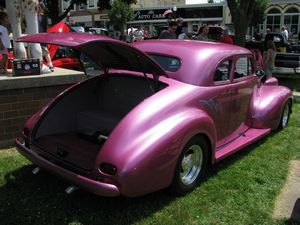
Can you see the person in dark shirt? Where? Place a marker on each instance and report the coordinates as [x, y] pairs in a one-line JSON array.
[[170, 33], [179, 22]]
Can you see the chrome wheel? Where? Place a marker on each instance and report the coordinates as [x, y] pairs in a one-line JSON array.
[[191, 164], [285, 115]]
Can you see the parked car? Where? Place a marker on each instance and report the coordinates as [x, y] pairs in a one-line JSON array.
[[62, 56], [215, 32], [77, 29], [287, 60], [142, 125], [98, 30]]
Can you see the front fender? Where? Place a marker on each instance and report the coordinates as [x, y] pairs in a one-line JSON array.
[[269, 105], [147, 162]]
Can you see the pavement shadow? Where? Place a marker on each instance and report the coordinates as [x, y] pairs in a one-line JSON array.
[[296, 211], [40, 199], [295, 216]]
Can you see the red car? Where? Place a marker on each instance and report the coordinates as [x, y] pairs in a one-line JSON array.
[[60, 56]]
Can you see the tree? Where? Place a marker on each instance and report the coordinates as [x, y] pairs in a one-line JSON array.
[[120, 13], [53, 12], [242, 12], [102, 4], [259, 14]]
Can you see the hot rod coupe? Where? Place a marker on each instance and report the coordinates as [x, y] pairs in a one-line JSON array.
[[155, 116]]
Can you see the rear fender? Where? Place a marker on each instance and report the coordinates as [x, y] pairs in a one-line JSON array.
[[147, 164], [268, 106]]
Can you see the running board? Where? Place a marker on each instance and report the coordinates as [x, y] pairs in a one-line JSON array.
[[249, 137]]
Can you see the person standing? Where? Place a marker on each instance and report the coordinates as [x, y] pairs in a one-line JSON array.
[[4, 41], [42, 21], [269, 58], [285, 32], [146, 33], [170, 32], [138, 34], [179, 22], [203, 33]]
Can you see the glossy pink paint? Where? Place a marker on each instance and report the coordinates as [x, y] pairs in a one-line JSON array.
[[146, 144]]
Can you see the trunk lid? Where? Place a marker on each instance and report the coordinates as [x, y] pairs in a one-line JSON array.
[[104, 51]]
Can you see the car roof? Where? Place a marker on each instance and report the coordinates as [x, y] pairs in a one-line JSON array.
[[199, 58]]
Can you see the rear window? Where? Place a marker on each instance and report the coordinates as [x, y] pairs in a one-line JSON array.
[[169, 63]]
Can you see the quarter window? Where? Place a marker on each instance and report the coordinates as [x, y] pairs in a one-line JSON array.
[[169, 63], [223, 71], [243, 67]]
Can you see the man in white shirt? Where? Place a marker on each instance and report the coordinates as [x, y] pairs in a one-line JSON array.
[[285, 32], [138, 35]]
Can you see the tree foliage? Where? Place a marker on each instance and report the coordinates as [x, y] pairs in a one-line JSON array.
[[242, 12], [259, 14], [102, 4], [52, 12], [105, 4], [120, 13]]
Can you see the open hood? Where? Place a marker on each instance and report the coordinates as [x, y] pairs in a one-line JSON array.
[[106, 52]]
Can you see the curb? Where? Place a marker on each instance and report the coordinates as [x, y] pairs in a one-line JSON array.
[[288, 201]]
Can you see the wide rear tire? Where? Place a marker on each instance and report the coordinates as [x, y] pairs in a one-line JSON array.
[[191, 166]]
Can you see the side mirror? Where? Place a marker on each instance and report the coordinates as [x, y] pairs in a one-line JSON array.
[[260, 73]]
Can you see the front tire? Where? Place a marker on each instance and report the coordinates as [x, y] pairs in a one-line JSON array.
[[285, 116], [191, 166]]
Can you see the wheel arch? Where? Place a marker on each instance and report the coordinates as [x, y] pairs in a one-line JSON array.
[[268, 107], [191, 125]]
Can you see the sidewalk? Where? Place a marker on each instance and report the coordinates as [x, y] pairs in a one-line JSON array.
[[288, 202]]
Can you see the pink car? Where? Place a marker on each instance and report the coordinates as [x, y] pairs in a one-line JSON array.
[[141, 125]]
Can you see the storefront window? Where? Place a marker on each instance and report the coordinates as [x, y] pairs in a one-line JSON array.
[[66, 4], [273, 20], [81, 6], [291, 20], [91, 3]]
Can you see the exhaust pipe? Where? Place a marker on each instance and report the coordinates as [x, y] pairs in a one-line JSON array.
[[69, 190], [36, 170]]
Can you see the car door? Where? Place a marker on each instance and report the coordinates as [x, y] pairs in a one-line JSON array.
[[241, 88], [219, 102]]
